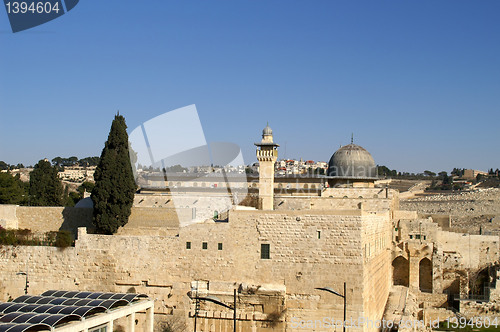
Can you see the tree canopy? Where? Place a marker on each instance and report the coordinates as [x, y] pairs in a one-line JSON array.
[[12, 189], [45, 186], [73, 161], [115, 187]]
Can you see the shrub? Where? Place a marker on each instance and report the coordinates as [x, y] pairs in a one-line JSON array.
[[63, 239]]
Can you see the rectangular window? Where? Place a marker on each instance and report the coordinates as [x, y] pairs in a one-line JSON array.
[[188, 245], [319, 234], [219, 246], [204, 245], [417, 236], [411, 236], [265, 249]]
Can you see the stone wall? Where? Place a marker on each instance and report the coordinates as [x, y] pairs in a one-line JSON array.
[[475, 251], [8, 218], [142, 221], [321, 203], [308, 249], [44, 219]]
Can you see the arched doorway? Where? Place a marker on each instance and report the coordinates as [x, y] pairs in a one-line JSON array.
[[425, 275], [401, 271]]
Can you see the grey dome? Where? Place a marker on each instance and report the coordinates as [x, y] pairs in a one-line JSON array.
[[267, 130], [352, 161]]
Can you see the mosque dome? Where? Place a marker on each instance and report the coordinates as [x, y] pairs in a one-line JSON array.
[[352, 161], [267, 130]]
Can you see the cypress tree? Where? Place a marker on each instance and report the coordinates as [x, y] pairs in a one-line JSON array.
[[115, 187], [45, 185]]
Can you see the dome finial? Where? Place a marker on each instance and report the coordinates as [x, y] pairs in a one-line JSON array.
[[352, 138], [267, 131]]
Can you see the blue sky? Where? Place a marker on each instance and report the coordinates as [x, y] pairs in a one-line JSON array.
[[417, 82]]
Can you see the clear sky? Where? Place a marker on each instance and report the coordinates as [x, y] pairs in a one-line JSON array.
[[418, 82]]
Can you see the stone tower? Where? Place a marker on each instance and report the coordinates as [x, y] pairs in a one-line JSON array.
[[267, 154]]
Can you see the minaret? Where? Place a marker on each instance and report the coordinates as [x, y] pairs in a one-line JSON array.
[[267, 154]]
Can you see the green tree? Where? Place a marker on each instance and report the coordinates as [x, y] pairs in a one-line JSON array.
[[45, 185], [12, 190], [4, 165], [89, 161], [429, 173], [115, 187]]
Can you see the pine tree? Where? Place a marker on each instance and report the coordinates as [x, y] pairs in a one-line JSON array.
[[45, 186], [115, 187]]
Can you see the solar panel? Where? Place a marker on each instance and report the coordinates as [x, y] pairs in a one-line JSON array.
[[105, 296], [21, 299], [5, 327], [32, 299], [118, 296], [38, 318], [10, 317], [83, 295], [28, 327], [55, 309], [28, 307], [52, 308], [113, 303], [81, 302], [24, 317], [70, 301], [59, 293], [94, 295], [4, 306], [54, 320], [58, 300], [86, 311], [45, 299], [70, 294], [42, 308], [68, 310], [14, 307]]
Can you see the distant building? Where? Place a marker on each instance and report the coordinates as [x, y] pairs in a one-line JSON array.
[[472, 173], [78, 173]]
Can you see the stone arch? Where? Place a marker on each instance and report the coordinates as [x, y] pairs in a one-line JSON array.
[[313, 186], [425, 275], [401, 271], [306, 186]]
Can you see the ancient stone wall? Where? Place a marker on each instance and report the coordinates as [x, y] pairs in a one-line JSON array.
[[474, 251], [338, 203], [142, 221], [376, 244], [44, 219], [8, 218], [307, 249]]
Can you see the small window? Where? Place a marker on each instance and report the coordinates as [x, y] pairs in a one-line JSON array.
[[188, 245], [204, 245], [265, 249], [219, 246], [319, 234], [417, 236], [425, 237], [411, 236]]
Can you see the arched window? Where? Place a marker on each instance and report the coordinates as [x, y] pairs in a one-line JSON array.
[[425, 275], [401, 271]]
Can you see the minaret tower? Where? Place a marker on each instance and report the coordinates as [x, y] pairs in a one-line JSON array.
[[267, 154]]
